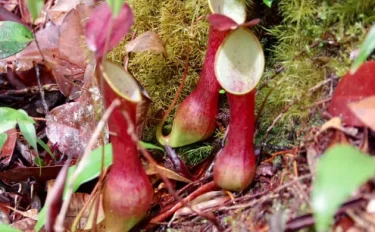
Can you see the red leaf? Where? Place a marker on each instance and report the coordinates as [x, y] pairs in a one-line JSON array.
[[98, 25], [8, 148], [351, 89], [222, 22]]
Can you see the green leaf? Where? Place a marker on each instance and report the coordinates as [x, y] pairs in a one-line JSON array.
[[35, 7], [268, 2], [222, 91], [14, 37], [91, 171], [115, 6], [3, 139], [28, 131], [45, 147], [8, 228], [365, 50], [340, 171], [39, 162], [9, 117], [150, 146]]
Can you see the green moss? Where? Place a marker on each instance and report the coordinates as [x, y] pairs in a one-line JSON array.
[[314, 42]]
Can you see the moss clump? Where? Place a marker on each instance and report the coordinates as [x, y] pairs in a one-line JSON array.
[[176, 23], [314, 42]]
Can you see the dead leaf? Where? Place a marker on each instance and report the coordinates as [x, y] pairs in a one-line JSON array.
[[364, 110], [147, 41], [335, 123], [151, 170], [39, 173], [63, 6], [25, 225], [31, 213], [178, 164]]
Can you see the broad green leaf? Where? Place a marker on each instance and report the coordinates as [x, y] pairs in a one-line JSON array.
[[45, 147], [268, 2], [14, 37], [91, 171], [115, 6], [365, 50], [28, 131], [8, 228], [39, 162], [150, 146], [340, 171], [3, 139], [35, 7], [9, 118]]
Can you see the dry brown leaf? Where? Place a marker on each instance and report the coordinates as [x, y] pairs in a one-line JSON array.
[[151, 170], [31, 213], [147, 41], [25, 225], [336, 123], [364, 110]]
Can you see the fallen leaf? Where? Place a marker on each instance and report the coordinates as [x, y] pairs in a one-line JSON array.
[[365, 111], [39, 173], [351, 88], [336, 123], [25, 225], [178, 164], [152, 170], [147, 41], [63, 6]]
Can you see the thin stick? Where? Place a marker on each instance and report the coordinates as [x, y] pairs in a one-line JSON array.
[[41, 90], [83, 163]]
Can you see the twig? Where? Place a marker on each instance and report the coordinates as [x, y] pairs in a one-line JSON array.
[[82, 164], [270, 195], [41, 90]]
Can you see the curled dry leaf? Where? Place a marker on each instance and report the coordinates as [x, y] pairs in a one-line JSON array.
[[152, 170], [147, 41], [336, 123], [364, 110], [63, 6], [25, 225]]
